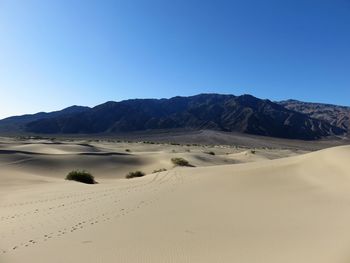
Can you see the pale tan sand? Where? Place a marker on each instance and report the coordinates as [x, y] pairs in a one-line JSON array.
[[110, 160], [295, 209]]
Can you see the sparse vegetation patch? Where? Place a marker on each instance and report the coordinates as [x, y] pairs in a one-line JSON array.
[[134, 174], [148, 142], [81, 176], [159, 170], [180, 162]]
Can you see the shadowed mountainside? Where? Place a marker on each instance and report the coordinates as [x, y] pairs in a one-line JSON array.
[[336, 115], [18, 123], [245, 114]]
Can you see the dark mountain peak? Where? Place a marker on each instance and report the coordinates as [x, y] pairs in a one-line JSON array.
[[257, 104], [105, 104], [248, 97], [289, 101], [18, 123], [244, 113], [71, 109], [293, 101], [76, 108]]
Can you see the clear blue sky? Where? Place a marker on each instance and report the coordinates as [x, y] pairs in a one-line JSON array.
[[56, 53]]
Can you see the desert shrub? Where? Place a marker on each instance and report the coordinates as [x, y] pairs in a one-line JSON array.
[[211, 153], [148, 142], [134, 174], [180, 162], [159, 170], [252, 151], [127, 150], [81, 176]]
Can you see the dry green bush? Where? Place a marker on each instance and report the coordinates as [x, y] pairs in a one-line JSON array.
[[180, 162], [134, 174], [81, 176]]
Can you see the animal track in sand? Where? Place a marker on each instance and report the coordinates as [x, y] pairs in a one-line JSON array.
[[74, 195], [106, 206], [93, 198]]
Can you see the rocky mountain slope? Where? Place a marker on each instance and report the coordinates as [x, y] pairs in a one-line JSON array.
[[335, 115], [245, 114]]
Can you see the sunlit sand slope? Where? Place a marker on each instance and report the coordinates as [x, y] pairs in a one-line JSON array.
[[295, 209], [40, 161]]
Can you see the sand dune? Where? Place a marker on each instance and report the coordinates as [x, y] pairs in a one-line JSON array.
[[109, 160], [294, 209]]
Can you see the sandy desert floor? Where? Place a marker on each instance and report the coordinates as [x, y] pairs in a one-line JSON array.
[[239, 205]]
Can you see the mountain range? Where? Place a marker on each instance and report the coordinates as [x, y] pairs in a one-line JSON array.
[[335, 115], [246, 114]]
